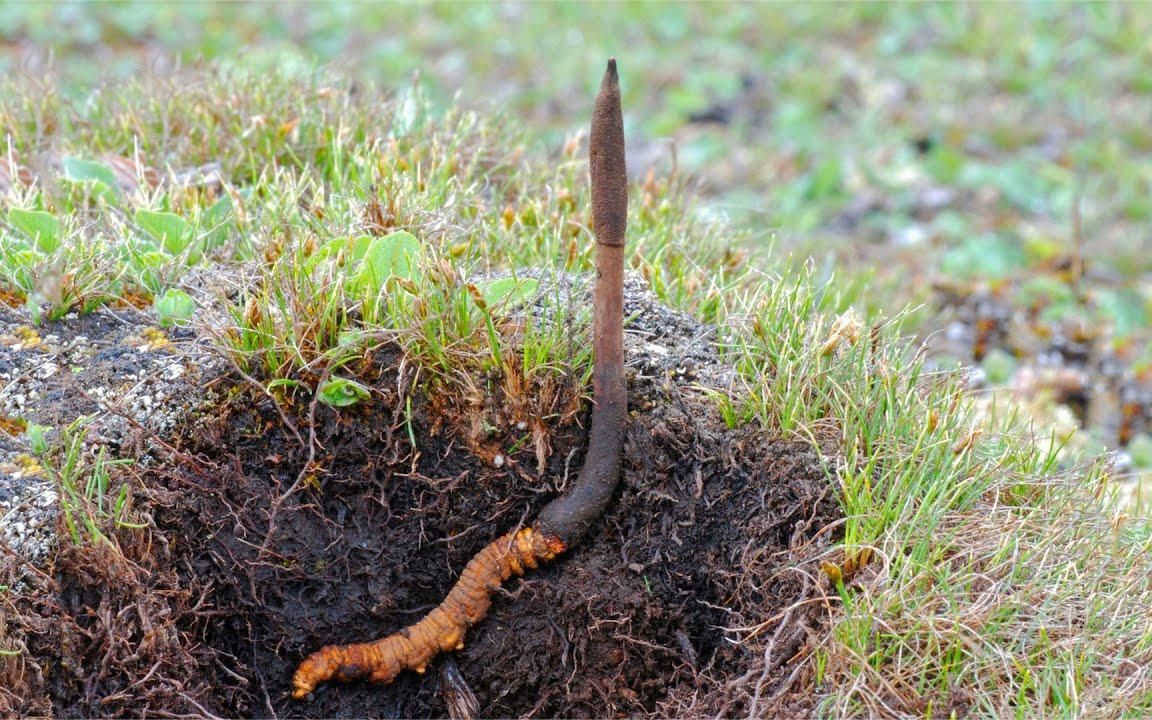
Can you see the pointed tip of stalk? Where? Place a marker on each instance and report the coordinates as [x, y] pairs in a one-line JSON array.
[[611, 79], [606, 163]]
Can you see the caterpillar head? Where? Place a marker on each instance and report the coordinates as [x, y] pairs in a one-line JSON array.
[[316, 668]]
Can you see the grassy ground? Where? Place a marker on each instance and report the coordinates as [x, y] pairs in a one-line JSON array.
[[986, 167], [980, 569]]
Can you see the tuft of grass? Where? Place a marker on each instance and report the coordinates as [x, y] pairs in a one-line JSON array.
[[978, 571], [91, 502]]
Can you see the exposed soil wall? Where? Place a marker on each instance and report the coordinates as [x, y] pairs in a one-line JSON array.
[[273, 534]]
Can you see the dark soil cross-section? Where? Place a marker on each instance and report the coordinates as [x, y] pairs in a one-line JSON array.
[[713, 528]]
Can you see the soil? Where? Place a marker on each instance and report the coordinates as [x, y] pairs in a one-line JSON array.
[[274, 529], [113, 368]]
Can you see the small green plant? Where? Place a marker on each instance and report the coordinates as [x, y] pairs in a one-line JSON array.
[[97, 178], [165, 244], [999, 366], [174, 307], [341, 392], [88, 502], [169, 233], [24, 252], [37, 437], [319, 308]]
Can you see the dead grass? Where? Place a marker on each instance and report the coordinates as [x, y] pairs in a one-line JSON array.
[[1025, 609]]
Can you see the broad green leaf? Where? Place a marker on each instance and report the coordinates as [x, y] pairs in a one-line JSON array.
[[77, 170], [174, 307], [341, 392], [1045, 291], [220, 211], [946, 163], [344, 250], [508, 290], [173, 231], [42, 227], [394, 255], [999, 366], [150, 259], [1140, 450]]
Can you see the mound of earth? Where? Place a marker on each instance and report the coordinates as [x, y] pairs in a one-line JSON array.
[[271, 532]]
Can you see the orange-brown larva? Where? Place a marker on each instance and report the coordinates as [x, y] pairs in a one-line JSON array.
[[440, 630]]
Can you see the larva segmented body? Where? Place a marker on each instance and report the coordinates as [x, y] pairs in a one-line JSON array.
[[442, 629]]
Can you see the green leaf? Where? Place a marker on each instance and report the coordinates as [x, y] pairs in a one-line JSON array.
[[394, 255], [1045, 291], [220, 211], [147, 267], [1140, 450], [77, 170], [216, 223], [149, 259], [173, 231], [351, 340], [344, 250], [174, 307], [286, 383], [508, 290], [999, 366], [825, 180], [946, 164], [341, 392], [42, 227]]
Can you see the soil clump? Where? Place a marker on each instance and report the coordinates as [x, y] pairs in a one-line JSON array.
[[273, 531]]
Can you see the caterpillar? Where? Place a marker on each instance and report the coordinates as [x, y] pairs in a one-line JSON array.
[[440, 630]]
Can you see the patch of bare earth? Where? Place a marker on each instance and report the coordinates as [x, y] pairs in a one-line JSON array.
[[274, 532]]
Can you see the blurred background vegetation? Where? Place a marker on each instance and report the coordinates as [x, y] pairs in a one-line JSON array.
[[988, 163]]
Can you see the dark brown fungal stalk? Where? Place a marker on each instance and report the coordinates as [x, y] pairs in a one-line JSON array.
[[564, 520], [569, 516]]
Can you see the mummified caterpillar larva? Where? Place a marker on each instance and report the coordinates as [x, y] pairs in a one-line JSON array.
[[440, 630]]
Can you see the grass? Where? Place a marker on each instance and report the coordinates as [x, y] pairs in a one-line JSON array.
[[864, 99], [1003, 583], [88, 504], [943, 154], [981, 568]]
